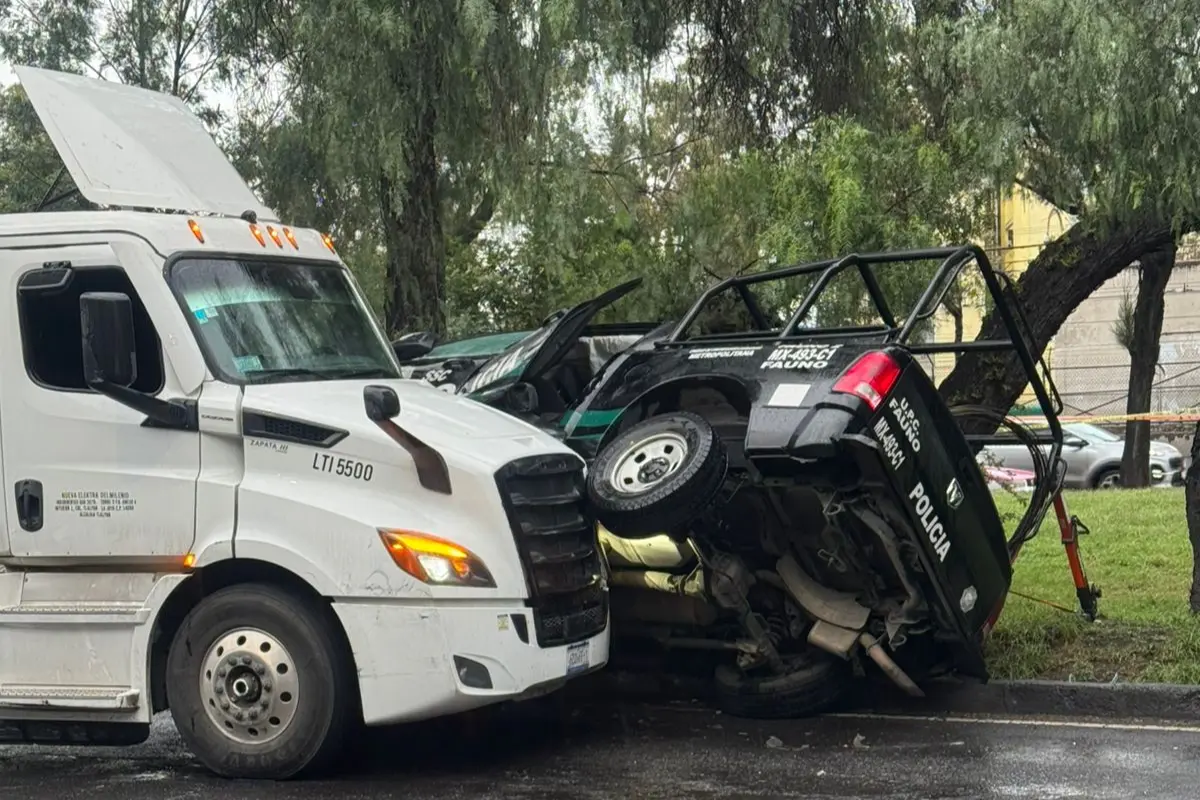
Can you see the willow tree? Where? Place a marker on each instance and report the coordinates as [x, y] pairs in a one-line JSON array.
[[430, 114], [1091, 105]]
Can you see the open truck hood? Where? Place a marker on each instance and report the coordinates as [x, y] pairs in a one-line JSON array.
[[544, 348], [130, 147]]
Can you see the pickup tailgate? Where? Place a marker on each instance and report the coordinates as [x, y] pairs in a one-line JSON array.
[[910, 453]]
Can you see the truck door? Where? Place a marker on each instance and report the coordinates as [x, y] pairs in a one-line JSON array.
[[86, 480]]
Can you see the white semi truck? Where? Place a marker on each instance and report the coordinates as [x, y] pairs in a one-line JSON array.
[[222, 499]]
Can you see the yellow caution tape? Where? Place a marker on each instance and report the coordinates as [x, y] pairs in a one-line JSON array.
[[1179, 416]]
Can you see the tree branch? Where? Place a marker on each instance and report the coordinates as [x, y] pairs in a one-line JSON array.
[[469, 228]]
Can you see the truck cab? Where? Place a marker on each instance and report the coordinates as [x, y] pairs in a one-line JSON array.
[[222, 498]]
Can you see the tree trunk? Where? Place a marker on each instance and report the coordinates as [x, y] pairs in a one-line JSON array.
[[1153, 277], [1062, 276], [1192, 499], [412, 224]]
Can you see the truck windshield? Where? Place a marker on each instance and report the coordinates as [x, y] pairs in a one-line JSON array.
[[262, 321]]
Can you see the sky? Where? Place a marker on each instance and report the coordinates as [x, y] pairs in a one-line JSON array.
[[591, 116]]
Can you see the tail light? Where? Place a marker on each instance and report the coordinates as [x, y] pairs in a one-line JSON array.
[[871, 377]]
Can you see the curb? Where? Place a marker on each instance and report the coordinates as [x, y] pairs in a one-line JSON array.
[[1158, 701], [951, 696]]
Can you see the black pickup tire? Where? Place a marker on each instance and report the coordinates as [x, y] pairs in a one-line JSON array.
[[813, 684], [658, 476]]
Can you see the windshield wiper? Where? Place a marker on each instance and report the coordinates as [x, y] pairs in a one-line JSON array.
[[373, 372], [256, 375], [284, 372]]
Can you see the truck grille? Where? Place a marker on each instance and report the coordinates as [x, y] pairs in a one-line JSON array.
[[556, 537]]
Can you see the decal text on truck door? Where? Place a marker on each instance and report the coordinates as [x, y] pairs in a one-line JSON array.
[[95, 504]]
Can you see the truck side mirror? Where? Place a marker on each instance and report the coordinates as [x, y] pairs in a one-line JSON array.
[[109, 350], [381, 403]]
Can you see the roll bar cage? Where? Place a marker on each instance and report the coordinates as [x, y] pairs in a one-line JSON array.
[[954, 260]]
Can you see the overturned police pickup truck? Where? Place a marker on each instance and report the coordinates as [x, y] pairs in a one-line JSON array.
[[780, 485], [790, 489]]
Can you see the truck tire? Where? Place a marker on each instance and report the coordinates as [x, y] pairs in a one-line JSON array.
[[658, 476], [815, 683], [260, 684]]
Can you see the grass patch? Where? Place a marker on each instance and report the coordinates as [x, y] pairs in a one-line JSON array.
[[1138, 554]]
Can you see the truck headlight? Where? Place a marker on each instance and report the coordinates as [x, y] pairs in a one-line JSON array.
[[435, 561]]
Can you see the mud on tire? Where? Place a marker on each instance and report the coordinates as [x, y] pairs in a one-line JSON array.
[[658, 476], [814, 683], [262, 650]]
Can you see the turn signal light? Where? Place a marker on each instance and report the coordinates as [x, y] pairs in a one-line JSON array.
[[871, 378], [195, 229], [435, 561]]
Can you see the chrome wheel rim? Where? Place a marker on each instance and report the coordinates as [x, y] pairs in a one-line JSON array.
[[648, 462], [249, 686]]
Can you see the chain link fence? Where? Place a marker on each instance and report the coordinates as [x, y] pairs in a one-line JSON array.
[[1094, 382]]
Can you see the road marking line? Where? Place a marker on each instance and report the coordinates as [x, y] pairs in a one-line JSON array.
[[1047, 723]]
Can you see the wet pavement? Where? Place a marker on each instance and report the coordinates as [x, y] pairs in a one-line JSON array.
[[680, 751]]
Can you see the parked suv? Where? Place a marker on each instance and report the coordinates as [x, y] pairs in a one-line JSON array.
[[1093, 458]]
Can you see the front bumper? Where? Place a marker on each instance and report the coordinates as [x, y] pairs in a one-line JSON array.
[[411, 666]]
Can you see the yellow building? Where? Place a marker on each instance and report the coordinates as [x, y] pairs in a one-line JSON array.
[[1024, 223]]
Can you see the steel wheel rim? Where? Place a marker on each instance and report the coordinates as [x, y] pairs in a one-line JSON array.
[[1110, 481], [647, 463], [249, 686]]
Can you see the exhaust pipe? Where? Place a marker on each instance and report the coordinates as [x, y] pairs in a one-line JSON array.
[[840, 642], [890, 668], [829, 608]]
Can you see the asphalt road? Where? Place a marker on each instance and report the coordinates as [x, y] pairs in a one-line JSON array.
[[676, 752]]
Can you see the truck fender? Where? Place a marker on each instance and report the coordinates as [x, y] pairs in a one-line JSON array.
[[250, 547]]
